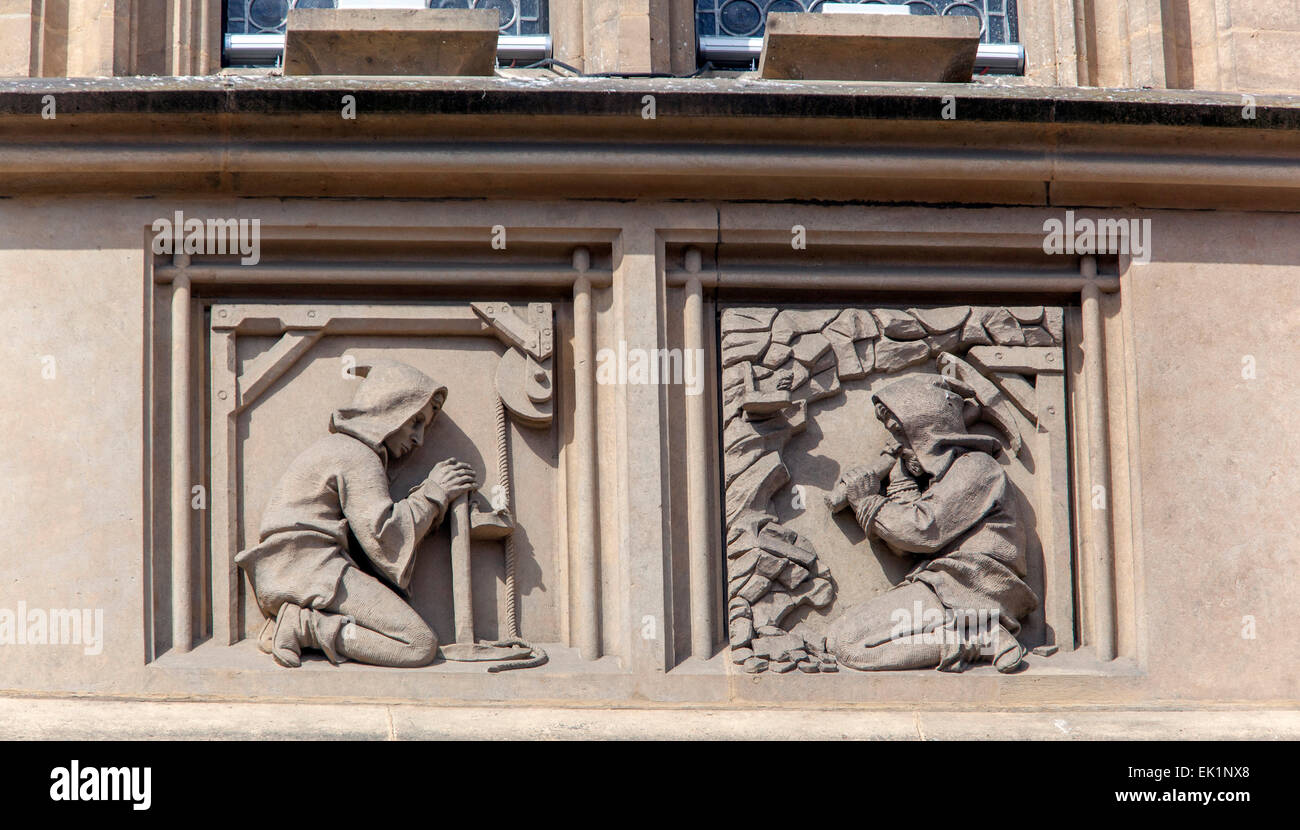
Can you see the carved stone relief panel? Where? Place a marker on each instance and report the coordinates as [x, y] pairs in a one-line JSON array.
[[895, 487], [384, 481]]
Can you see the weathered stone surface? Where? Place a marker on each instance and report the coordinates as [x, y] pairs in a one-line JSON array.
[[737, 430], [869, 47], [1054, 322], [742, 345], [738, 607], [898, 324], [753, 488], [809, 348], [813, 640], [776, 647], [776, 354], [783, 666], [1004, 328], [773, 543], [866, 352], [1019, 391], [747, 319], [826, 361], [1026, 314], [739, 458], [754, 665], [735, 584], [440, 42], [972, 331], [824, 385], [760, 403], [741, 655], [943, 319], [772, 608], [854, 324], [792, 574], [893, 355], [768, 565], [808, 666], [743, 565], [947, 342], [735, 380], [1037, 336], [847, 364], [815, 592], [788, 379], [793, 322], [754, 588], [741, 631], [780, 531], [740, 540]]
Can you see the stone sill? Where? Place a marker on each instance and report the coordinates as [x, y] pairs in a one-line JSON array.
[[34, 718], [241, 672]]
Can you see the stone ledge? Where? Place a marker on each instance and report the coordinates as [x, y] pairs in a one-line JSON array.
[[869, 47], [440, 42], [550, 95], [96, 719]]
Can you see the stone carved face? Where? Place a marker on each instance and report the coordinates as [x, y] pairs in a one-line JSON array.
[[392, 408], [411, 433], [928, 415]]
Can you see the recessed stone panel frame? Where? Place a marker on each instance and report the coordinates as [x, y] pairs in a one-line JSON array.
[[363, 331], [657, 545], [782, 451]]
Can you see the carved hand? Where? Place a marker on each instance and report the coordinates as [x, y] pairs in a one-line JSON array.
[[454, 478], [860, 482]]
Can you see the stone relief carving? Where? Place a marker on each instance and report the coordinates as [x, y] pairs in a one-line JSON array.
[[335, 553], [932, 492]]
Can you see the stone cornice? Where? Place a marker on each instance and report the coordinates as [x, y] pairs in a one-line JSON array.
[[710, 138]]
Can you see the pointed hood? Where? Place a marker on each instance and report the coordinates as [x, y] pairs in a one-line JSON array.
[[390, 394], [932, 410]]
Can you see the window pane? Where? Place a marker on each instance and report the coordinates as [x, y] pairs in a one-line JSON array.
[[745, 18], [250, 17]]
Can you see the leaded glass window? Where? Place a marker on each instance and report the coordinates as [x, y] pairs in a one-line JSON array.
[[253, 17], [746, 18]]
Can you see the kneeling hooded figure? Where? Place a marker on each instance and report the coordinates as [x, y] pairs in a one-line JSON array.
[[948, 503], [302, 569]]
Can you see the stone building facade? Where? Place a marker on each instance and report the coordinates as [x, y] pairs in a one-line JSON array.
[[663, 297]]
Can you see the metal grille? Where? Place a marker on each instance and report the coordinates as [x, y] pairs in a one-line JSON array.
[[251, 17], [746, 18]]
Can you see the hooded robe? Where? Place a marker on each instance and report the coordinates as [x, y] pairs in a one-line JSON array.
[[966, 525], [341, 483]]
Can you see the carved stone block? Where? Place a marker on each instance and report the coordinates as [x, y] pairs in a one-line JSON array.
[[807, 486]]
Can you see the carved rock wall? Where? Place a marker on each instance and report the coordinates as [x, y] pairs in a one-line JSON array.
[[776, 364]]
